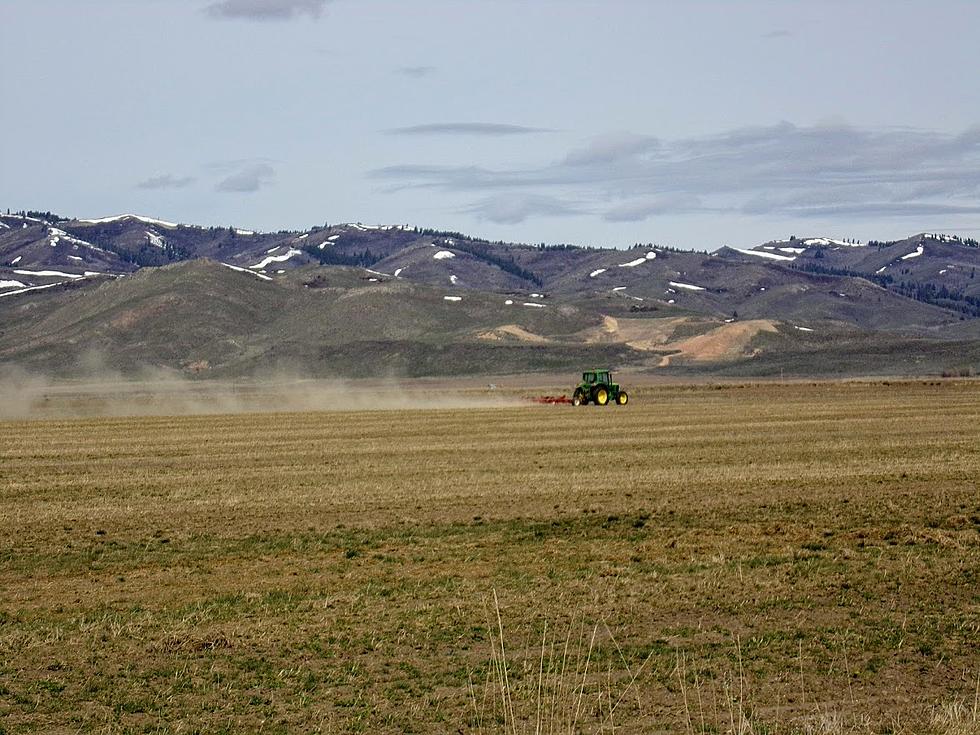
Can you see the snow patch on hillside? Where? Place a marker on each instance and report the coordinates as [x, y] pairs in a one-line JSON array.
[[53, 274], [531, 303], [594, 273], [830, 241], [31, 288], [443, 255], [155, 239], [246, 270], [383, 228], [292, 252], [452, 298], [639, 261], [761, 254], [918, 251], [12, 284], [687, 286], [57, 235]]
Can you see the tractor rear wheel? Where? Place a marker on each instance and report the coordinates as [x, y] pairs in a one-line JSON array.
[[577, 399], [622, 398], [601, 397]]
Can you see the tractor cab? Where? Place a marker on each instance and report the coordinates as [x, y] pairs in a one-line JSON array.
[[593, 377]]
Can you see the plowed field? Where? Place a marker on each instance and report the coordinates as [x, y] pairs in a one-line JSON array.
[[744, 558]]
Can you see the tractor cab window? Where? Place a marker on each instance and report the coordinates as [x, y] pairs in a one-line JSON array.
[[588, 377], [602, 377]]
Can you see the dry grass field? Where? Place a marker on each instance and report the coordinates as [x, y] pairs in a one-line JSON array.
[[736, 558]]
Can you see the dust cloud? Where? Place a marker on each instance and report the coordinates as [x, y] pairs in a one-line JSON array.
[[152, 392]]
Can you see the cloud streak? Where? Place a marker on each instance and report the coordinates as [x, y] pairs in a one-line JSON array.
[[641, 209], [166, 181], [608, 149], [265, 10], [416, 72], [247, 180], [778, 170], [516, 207], [467, 128]]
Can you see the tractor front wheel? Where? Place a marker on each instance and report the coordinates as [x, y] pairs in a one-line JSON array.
[[622, 398], [601, 397]]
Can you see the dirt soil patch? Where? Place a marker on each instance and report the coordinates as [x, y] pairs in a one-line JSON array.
[[512, 332], [726, 342]]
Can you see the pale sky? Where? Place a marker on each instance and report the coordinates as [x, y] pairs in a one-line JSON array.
[[693, 124]]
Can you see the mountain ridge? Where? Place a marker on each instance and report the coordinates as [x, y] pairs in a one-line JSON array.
[[368, 296]]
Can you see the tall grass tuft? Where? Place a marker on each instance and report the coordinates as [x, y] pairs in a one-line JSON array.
[[958, 717], [556, 686]]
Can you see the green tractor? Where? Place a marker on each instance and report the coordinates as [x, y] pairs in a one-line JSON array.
[[597, 387]]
